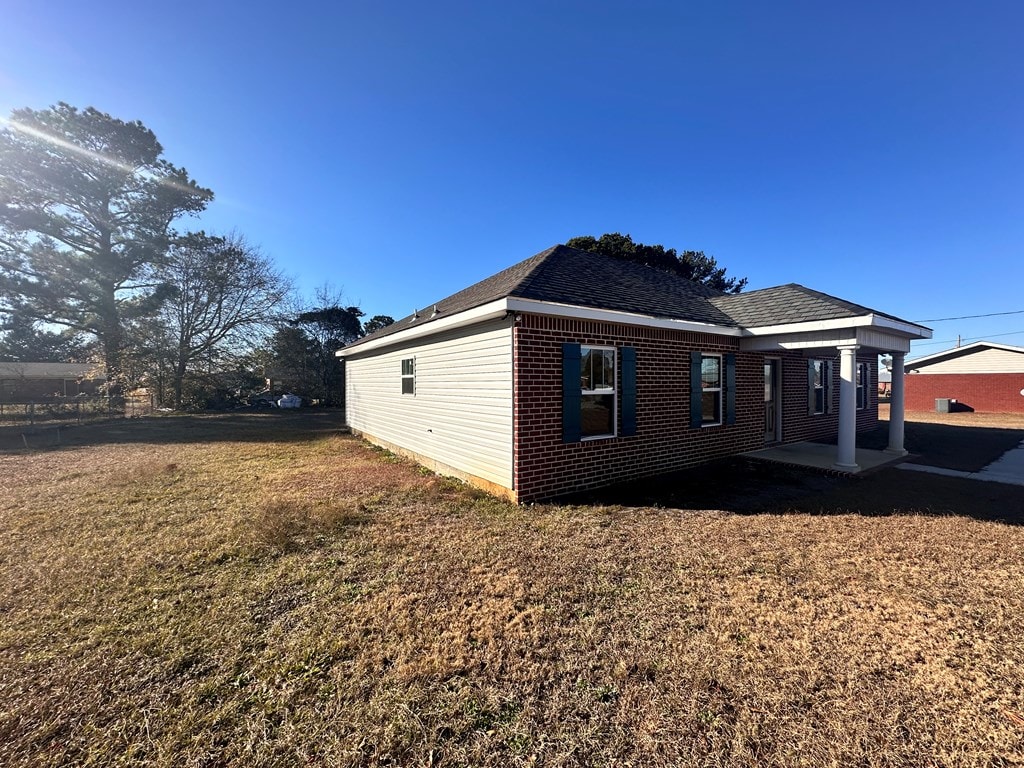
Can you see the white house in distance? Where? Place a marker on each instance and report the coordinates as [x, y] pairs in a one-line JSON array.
[[983, 376], [572, 370]]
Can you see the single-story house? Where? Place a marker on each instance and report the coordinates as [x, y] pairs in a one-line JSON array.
[[982, 376], [43, 382], [572, 370]]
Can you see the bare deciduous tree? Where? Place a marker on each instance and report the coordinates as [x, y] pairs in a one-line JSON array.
[[224, 294]]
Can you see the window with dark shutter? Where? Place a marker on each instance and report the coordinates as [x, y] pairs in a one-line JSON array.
[[589, 392]]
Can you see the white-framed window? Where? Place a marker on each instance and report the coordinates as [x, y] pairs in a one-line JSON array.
[[409, 376], [819, 386], [711, 390], [598, 392], [863, 381]]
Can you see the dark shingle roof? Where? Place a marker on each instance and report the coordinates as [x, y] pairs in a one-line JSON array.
[[563, 275], [580, 278], [789, 303]]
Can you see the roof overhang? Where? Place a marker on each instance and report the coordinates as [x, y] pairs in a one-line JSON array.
[[911, 330], [490, 311], [616, 316], [871, 331], [967, 349], [501, 307]]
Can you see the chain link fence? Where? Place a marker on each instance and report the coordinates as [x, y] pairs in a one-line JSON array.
[[73, 410]]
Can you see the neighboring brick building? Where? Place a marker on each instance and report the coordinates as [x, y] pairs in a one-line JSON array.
[[983, 377], [572, 370]]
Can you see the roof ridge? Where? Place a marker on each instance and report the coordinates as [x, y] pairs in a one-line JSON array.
[[705, 291], [724, 295], [805, 289], [542, 261]]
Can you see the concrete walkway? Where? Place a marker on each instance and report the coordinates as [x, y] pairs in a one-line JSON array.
[[823, 456], [1008, 468]]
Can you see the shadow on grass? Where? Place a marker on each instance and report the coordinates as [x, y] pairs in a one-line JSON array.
[[946, 445], [272, 426], [746, 486]]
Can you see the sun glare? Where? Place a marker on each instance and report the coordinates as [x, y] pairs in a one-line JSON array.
[[57, 141]]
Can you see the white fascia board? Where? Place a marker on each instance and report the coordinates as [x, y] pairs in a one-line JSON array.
[[865, 337], [616, 316], [483, 313], [501, 307], [872, 320], [813, 342]]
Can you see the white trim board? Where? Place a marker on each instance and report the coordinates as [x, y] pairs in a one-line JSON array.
[[859, 321], [503, 306], [816, 333]]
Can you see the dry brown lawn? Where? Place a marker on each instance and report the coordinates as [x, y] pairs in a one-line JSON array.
[[260, 590], [960, 418]]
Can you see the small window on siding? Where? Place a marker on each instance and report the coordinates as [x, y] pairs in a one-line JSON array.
[[597, 390], [409, 376], [711, 390], [862, 386]]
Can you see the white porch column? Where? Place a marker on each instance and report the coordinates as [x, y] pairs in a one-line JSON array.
[[896, 406], [846, 449]]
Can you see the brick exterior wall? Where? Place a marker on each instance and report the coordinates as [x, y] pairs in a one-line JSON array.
[[983, 392], [545, 467]]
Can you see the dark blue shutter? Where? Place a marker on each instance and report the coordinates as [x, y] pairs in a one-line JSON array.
[[628, 409], [696, 415], [730, 388], [571, 398], [828, 373], [810, 388]]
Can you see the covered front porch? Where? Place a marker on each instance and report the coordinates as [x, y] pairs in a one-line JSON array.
[[838, 342], [823, 456]]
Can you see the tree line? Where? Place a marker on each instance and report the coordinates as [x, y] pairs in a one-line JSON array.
[[96, 266]]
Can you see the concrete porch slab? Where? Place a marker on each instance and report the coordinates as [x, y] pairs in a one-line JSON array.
[[822, 456]]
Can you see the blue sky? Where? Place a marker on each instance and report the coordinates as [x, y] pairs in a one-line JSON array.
[[403, 150]]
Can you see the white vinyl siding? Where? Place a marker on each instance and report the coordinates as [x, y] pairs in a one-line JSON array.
[[980, 361], [461, 414]]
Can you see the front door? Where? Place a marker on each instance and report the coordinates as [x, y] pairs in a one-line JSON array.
[[772, 406]]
